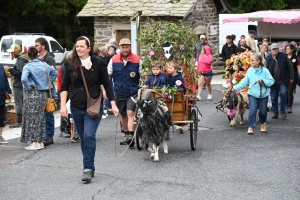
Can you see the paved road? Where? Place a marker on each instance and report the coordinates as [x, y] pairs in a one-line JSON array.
[[227, 164]]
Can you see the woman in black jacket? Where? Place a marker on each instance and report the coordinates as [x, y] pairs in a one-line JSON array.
[[95, 74], [4, 87], [290, 50]]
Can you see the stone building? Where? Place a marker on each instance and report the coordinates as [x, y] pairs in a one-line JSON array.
[[112, 17]]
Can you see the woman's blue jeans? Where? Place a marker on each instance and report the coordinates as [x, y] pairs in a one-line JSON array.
[[256, 103], [86, 128]]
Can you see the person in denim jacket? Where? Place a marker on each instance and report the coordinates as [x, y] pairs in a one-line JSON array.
[[35, 85]]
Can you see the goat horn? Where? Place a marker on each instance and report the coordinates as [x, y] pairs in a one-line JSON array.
[[152, 90]]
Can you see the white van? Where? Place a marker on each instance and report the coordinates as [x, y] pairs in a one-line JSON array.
[[236, 28], [25, 41]]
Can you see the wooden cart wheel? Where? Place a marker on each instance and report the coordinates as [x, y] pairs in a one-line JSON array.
[[193, 129]]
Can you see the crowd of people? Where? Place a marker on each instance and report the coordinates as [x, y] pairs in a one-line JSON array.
[[272, 75], [116, 72]]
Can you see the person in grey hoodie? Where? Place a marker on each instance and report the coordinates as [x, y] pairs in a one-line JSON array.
[[16, 72]]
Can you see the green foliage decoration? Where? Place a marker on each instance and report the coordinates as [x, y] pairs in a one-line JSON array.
[[155, 33]]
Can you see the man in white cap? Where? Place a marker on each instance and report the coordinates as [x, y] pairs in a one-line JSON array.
[[281, 69], [16, 72], [126, 70]]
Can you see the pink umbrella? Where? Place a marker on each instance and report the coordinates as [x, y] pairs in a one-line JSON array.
[[284, 17], [271, 16]]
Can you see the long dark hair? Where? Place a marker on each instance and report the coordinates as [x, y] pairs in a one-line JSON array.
[[292, 47], [75, 62]]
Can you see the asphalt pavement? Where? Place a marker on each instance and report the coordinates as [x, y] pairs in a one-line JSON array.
[[227, 164]]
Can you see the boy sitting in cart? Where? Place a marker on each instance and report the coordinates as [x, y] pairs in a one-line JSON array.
[[172, 80], [157, 79]]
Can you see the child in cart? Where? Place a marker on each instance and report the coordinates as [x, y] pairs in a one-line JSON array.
[[156, 79], [174, 78]]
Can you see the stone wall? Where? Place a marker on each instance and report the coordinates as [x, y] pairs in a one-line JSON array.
[[201, 18]]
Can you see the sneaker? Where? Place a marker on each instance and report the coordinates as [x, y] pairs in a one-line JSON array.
[[48, 141], [64, 135], [75, 139], [42, 145], [87, 176], [209, 96], [16, 125], [2, 140], [263, 128], [198, 97], [250, 131], [289, 110], [33, 147], [125, 139], [283, 115]]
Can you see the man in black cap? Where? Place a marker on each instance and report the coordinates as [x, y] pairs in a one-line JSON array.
[[228, 49]]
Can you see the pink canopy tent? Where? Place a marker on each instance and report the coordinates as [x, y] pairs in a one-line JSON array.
[[271, 16]]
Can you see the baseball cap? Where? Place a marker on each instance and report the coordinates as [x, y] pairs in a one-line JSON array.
[[124, 41], [14, 48], [274, 46], [202, 36]]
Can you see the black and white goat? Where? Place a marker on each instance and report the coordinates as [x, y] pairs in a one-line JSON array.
[[154, 121]]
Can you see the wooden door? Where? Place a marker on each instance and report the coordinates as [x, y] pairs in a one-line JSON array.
[[123, 34]]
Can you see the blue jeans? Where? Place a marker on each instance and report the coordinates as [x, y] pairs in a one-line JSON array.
[[278, 90], [50, 120], [256, 103], [86, 128]]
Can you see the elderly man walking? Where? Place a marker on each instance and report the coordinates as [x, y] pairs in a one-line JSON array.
[[281, 69]]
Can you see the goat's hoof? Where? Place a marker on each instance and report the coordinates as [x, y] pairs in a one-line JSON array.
[[152, 155], [241, 123], [166, 152], [156, 160]]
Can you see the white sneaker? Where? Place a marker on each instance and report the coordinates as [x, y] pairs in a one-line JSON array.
[[2, 140], [209, 96], [33, 147], [198, 97], [42, 145]]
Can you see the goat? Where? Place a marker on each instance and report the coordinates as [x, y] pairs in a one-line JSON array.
[[236, 104], [154, 122]]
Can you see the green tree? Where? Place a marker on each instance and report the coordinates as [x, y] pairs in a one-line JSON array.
[[244, 6]]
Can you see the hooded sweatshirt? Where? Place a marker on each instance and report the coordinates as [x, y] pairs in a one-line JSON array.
[[16, 71], [205, 61]]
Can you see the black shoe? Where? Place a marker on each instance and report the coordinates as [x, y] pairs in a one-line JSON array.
[[47, 142], [275, 116], [283, 115], [125, 139], [130, 138], [87, 176]]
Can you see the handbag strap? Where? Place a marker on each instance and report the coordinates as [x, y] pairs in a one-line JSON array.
[[85, 85], [48, 80]]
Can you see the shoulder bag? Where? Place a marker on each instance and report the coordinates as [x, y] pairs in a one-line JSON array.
[[50, 104], [93, 105]]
